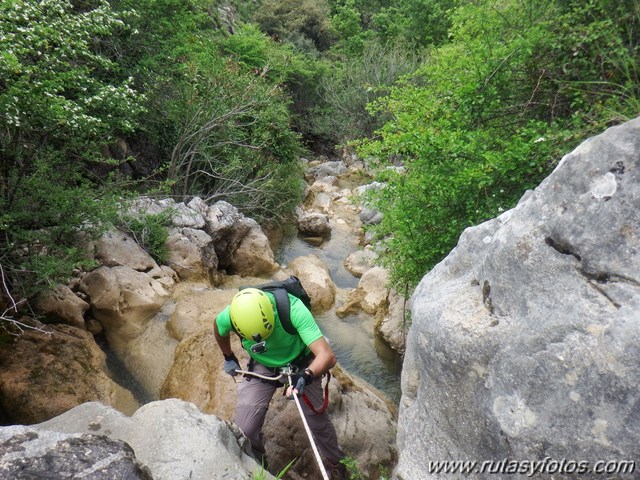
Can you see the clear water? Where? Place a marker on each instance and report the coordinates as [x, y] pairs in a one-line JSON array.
[[352, 338]]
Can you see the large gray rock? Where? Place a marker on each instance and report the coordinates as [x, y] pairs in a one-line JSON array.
[[116, 248], [524, 341], [227, 227], [326, 169], [253, 256], [28, 453], [182, 215], [316, 279], [314, 224], [61, 305], [171, 437], [191, 253], [123, 300]]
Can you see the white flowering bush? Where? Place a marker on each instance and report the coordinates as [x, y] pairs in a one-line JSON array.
[[56, 86], [61, 100]]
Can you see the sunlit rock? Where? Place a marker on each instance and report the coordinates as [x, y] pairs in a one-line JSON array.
[[313, 224], [253, 256], [171, 437], [358, 262], [191, 253], [371, 294], [392, 324], [123, 300], [116, 248], [314, 275]]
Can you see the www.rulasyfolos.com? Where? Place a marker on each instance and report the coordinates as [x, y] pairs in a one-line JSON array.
[[532, 468]]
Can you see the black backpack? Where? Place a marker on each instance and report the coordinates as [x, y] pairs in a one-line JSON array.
[[279, 290]]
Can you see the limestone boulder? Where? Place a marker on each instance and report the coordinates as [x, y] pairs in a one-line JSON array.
[[26, 452], [181, 215], [371, 295], [165, 275], [196, 307], [392, 325], [47, 371], [313, 224], [370, 216], [192, 253], [171, 437], [364, 421], [326, 169], [123, 300], [316, 280], [62, 305], [325, 184], [358, 262], [227, 227], [526, 334], [197, 375], [185, 217], [116, 248], [322, 203], [253, 256], [149, 356]]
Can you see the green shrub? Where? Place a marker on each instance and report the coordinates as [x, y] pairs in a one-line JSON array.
[[234, 140], [294, 20], [475, 127], [61, 99], [150, 231], [350, 84]]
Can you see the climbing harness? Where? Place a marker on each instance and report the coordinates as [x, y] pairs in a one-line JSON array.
[[274, 379], [287, 372]]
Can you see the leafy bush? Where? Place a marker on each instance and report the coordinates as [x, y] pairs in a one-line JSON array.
[[218, 118], [61, 100], [234, 140], [418, 23], [351, 84], [490, 112], [303, 23], [150, 231]]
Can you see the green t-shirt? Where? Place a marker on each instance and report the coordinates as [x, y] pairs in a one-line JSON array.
[[282, 348]]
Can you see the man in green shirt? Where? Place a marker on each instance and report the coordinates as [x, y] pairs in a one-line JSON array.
[[253, 315]]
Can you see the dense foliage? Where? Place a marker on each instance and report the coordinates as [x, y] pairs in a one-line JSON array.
[[60, 101], [461, 105], [490, 112], [160, 77]]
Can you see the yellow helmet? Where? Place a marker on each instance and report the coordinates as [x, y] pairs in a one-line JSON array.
[[252, 314]]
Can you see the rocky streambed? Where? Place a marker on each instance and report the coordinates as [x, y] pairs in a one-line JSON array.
[[156, 322]]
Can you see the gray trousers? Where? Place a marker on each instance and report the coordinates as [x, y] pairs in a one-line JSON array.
[[253, 401]]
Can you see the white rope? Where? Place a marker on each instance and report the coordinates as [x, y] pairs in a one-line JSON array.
[[325, 476], [306, 427], [264, 377]]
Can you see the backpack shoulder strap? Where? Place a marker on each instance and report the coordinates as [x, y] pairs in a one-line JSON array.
[[283, 305]]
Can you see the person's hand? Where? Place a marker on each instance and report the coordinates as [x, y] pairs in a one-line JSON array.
[[231, 364], [298, 382]]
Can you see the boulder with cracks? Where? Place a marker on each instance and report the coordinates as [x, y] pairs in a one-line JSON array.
[[523, 341]]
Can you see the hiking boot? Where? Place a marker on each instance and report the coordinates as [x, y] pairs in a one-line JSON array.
[[337, 472]]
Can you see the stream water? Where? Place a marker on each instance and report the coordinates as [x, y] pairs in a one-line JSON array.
[[357, 348]]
